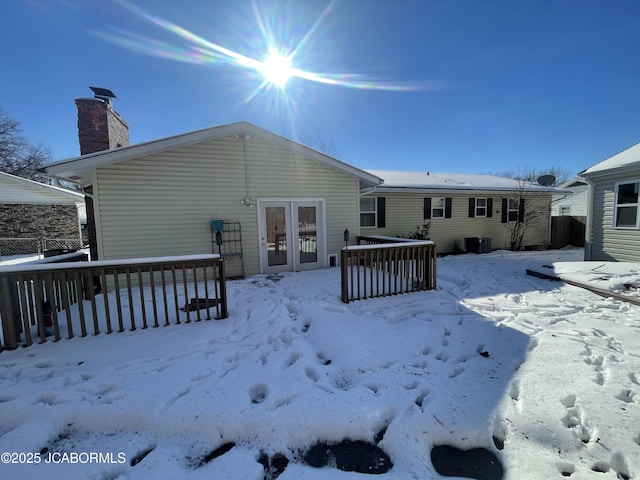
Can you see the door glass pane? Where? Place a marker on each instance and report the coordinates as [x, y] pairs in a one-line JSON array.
[[276, 235], [307, 234]]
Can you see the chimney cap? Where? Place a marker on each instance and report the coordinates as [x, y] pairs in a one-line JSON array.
[[103, 93]]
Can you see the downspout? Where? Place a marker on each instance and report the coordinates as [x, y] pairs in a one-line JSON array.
[[588, 234]]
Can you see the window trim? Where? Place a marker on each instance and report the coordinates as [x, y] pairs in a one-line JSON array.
[[374, 211], [516, 209], [616, 205], [434, 208], [485, 207]]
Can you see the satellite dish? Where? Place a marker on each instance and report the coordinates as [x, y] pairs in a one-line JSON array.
[[546, 180]]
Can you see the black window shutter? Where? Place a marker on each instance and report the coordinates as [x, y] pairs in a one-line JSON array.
[[447, 207], [489, 207], [382, 221], [521, 210], [504, 210], [427, 208], [472, 207]]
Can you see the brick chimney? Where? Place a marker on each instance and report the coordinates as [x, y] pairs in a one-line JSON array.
[[99, 125], [99, 128]]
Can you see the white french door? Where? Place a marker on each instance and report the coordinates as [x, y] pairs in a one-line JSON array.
[[292, 235]]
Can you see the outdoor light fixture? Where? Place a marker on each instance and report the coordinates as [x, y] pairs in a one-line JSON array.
[[346, 238], [248, 201]]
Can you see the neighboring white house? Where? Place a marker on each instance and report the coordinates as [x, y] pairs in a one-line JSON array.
[[573, 203], [36, 211], [613, 221]]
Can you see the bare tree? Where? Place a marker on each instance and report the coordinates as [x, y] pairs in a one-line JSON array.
[[525, 210], [531, 174], [17, 155], [320, 144]]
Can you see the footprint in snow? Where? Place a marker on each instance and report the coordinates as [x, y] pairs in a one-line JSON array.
[[627, 396], [258, 393], [575, 419], [293, 358]]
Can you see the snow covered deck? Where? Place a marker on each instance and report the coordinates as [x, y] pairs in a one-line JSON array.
[[64, 299]]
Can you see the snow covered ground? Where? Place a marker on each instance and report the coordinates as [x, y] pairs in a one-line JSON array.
[[543, 374]]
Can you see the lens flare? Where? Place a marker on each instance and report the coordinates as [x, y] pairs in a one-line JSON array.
[[276, 68]]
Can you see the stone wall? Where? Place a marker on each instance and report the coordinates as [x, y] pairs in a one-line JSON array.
[[38, 221]]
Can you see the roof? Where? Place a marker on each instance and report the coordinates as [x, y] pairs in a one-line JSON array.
[[574, 182], [79, 169], [21, 190], [629, 158], [420, 181]]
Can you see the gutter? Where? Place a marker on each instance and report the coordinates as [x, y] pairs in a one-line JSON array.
[[589, 224], [368, 191]]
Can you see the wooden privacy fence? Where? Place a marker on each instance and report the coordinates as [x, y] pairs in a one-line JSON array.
[[380, 269], [567, 230], [72, 298]]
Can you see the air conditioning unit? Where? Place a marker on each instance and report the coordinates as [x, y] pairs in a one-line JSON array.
[[477, 244]]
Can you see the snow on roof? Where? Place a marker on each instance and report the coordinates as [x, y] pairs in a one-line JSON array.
[[628, 157], [451, 181]]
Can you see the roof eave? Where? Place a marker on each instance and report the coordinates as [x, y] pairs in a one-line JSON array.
[[78, 169], [629, 167]]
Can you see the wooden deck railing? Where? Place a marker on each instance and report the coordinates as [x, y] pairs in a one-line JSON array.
[[381, 269], [69, 298]]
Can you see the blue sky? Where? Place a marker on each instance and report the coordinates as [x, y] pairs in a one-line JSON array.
[[485, 86]]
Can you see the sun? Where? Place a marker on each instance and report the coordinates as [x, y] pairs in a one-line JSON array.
[[277, 69]]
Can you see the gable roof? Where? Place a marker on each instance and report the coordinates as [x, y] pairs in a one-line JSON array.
[[420, 181], [79, 169], [626, 159], [21, 190]]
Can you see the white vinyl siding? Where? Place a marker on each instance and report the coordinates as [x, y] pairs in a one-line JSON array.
[[404, 213], [163, 204], [576, 201], [607, 242]]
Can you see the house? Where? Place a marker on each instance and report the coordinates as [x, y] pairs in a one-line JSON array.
[[458, 207], [31, 212], [573, 203], [569, 214], [613, 220], [282, 206], [267, 203]]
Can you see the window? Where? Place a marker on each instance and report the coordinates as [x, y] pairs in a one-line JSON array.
[[481, 207], [513, 207], [368, 212], [512, 210], [437, 207], [626, 205]]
